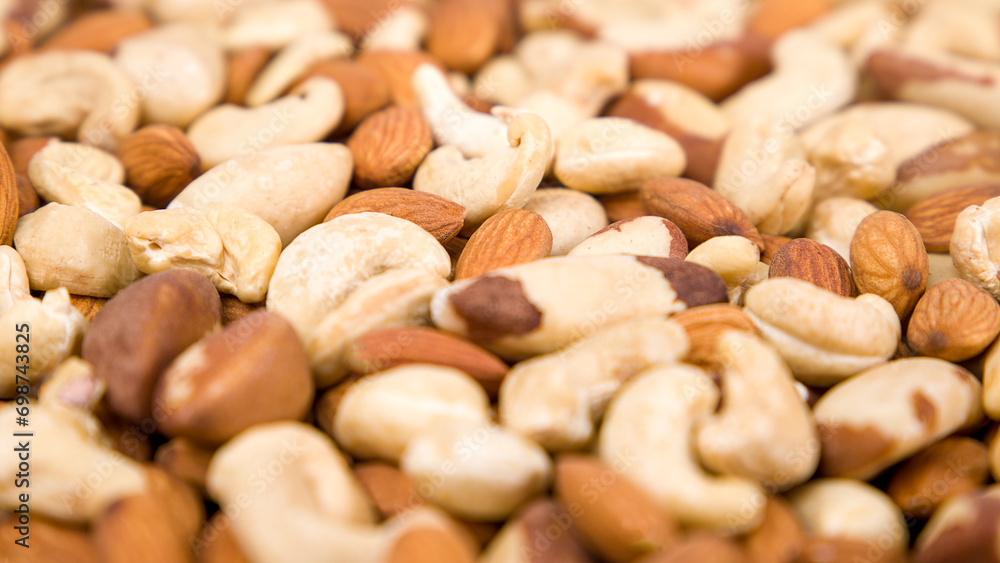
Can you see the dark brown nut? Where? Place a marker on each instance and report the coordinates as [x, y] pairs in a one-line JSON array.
[[244, 66], [159, 162], [699, 211], [704, 325], [934, 216], [87, 305], [953, 466], [8, 199], [524, 537], [436, 215], [388, 146], [695, 284], [388, 488], [98, 31], [619, 207], [964, 528], [230, 381], [142, 329], [48, 542], [217, 542], [780, 537], [365, 90], [815, 263], [888, 259], [185, 460], [954, 321], [513, 236]]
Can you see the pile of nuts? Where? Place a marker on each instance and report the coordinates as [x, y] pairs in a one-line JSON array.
[[499, 281]]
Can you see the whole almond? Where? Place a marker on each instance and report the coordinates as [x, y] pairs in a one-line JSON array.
[[954, 321], [436, 215], [8, 199], [396, 70], [815, 263], [888, 259], [388, 146], [98, 31], [772, 244], [513, 236], [365, 90], [159, 162], [704, 325], [463, 34], [950, 467], [699, 211], [626, 205], [934, 216], [780, 536], [242, 68], [389, 489]]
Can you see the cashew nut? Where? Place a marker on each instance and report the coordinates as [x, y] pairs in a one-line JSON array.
[[274, 24], [835, 220], [293, 61], [732, 257], [975, 245], [453, 123], [572, 216]]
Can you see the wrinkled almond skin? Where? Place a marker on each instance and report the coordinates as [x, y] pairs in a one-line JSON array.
[[815, 263], [387, 487], [159, 162], [699, 211], [619, 207], [98, 31], [436, 215], [513, 236], [704, 325], [254, 371], [934, 217], [951, 467], [888, 259], [142, 329], [388, 146], [244, 66], [365, 90], [8, 199], [954, 321]]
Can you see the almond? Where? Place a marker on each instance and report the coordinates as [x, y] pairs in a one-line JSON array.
[[233, 309], [388, 146], [387, 487], [954, 321], [98, 31], [626, 205], [772, 244], [244, 66], [432, 545], [87, 305], [513, 236], [837, 550], [780, 536], [218, 543], [396, 69], [365, 90], [48, 542], [464, 34], [159, 162], [934, 216], [385, 348], [27, 197], [705, 324], [815, 263], [888, 259], [700, 547], [436, 215], [8, 199], [699, 211], [951, 467], [716, 71], [359, 19]]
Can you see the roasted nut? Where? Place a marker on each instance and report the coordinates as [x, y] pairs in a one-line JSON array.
[[454, 124], [273, 25], [435, 214], [704, 326], [815, 263], [888, 259], [974, 246], [954, 321], [572, 216], [700, 212], [780, 537], [293, 61], [935, 216], [185, 460], [242, 68], [388, 147], [641, 236], [619, 207], [9, 199], [159, 162], [952, 467]]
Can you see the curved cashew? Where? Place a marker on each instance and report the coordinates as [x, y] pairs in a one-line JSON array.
[[291, 187], [851, 510], [274, 24], [503, 179], [764, 430], [648, 430], [293, 61], [402, 30], [557, 399], [642, 236], [69, 92], [453, 123], [835, 220], [975, 245], [233, 248], [572, 216], [307, 114], [822, 336]]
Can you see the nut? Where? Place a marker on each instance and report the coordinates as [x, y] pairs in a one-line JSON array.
[[387, 487], [99, 31], [512, 236], [951, 467], [704, 326], [973, 245], [8, 199], [159, 162], [835, 221], [572, 216], [954, 321], [815, 263], [732, 257], [465, 33], [185, 460], [242, 68], [641, 236], [780, 537], [935, 216], [953, 163], [888, 259], [619, 207], [700, 212], [388, 147], [452, 122], [273, 25], [435, 214], [517, 541], [293, 61], [962, 527]]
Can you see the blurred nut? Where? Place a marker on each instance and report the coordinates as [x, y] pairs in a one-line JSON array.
[[159, 162], [952, 467]]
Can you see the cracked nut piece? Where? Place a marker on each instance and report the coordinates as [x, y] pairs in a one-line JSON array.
[[975, 245], [888, 259], [815, 263], [954, 321]]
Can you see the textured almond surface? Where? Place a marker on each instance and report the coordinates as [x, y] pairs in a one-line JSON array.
[[699, 211], [365, 90], [388, 146], [888, 259], [513, 236], [159, 162], [8, 199], [704, 325], [815, 263], [934, 217], [954, 321], [464, 33], [435, 214]]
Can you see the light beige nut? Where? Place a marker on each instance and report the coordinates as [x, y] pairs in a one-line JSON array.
[[823, 337], [643, 236], [189, 77], [308, 113], [954, 321], [542, 306], [388, 146], [455, 467], [835, 220], [888, 259], [763, 431], [85, 159], [293, 61], [966, 160], [648, 429], [453, 123], [572, 216], [851, 510], [732, 257], [857, 151], [889, 412], [73, 247], [962, 528], [232, 247], [613, 154], [79, 93], [556, 399], [764, 172], [383, 412], [502, 179], [975, 246], [290, 187], [274, 24], [403, 29], [951, 467]]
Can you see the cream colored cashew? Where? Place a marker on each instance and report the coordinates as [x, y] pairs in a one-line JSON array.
[[614, 154], [274, 24], [395, 297], [823, 337], [763, 171], [851, 510], [835, 220], [81, 93], [668, 26], [847, 22], [293, 61], [975, 245], [572, 216], [642, 236], [73, 385], [61, 183], [236, 250], [889, 412], [211, 16], [504, 79], [72, 247], [381, 413], [307, 114], [557, 399], [648, 430], [763, 431], [453, 123], [503, 179], [475, 471], [732, 257], [291, 187], [403, 29]]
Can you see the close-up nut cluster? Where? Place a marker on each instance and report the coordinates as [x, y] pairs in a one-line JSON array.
[[499, 281]]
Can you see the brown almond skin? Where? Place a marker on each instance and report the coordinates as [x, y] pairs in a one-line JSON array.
[[780, 537], [620, 207], [613, 517], [98, 31], [841, 550], [388, 146], [888, 259], [8, 199], [359, 19], [699, 211], [217, 543], [772, 244], [438, 216], [159, 162], [49, 542], [365, 90], [977, 151], [717, 71], [934, 217], [948, 468], [254, 371], [185, 460], [390, 347], [242, 68], [464, 34], [21, 151], [699, 547], [432, 545], [396, 68], [815, 263], [142, 329], [87, 305], [772, 18], [954, 321], [513, 236], [705, 324], [387, 487]]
